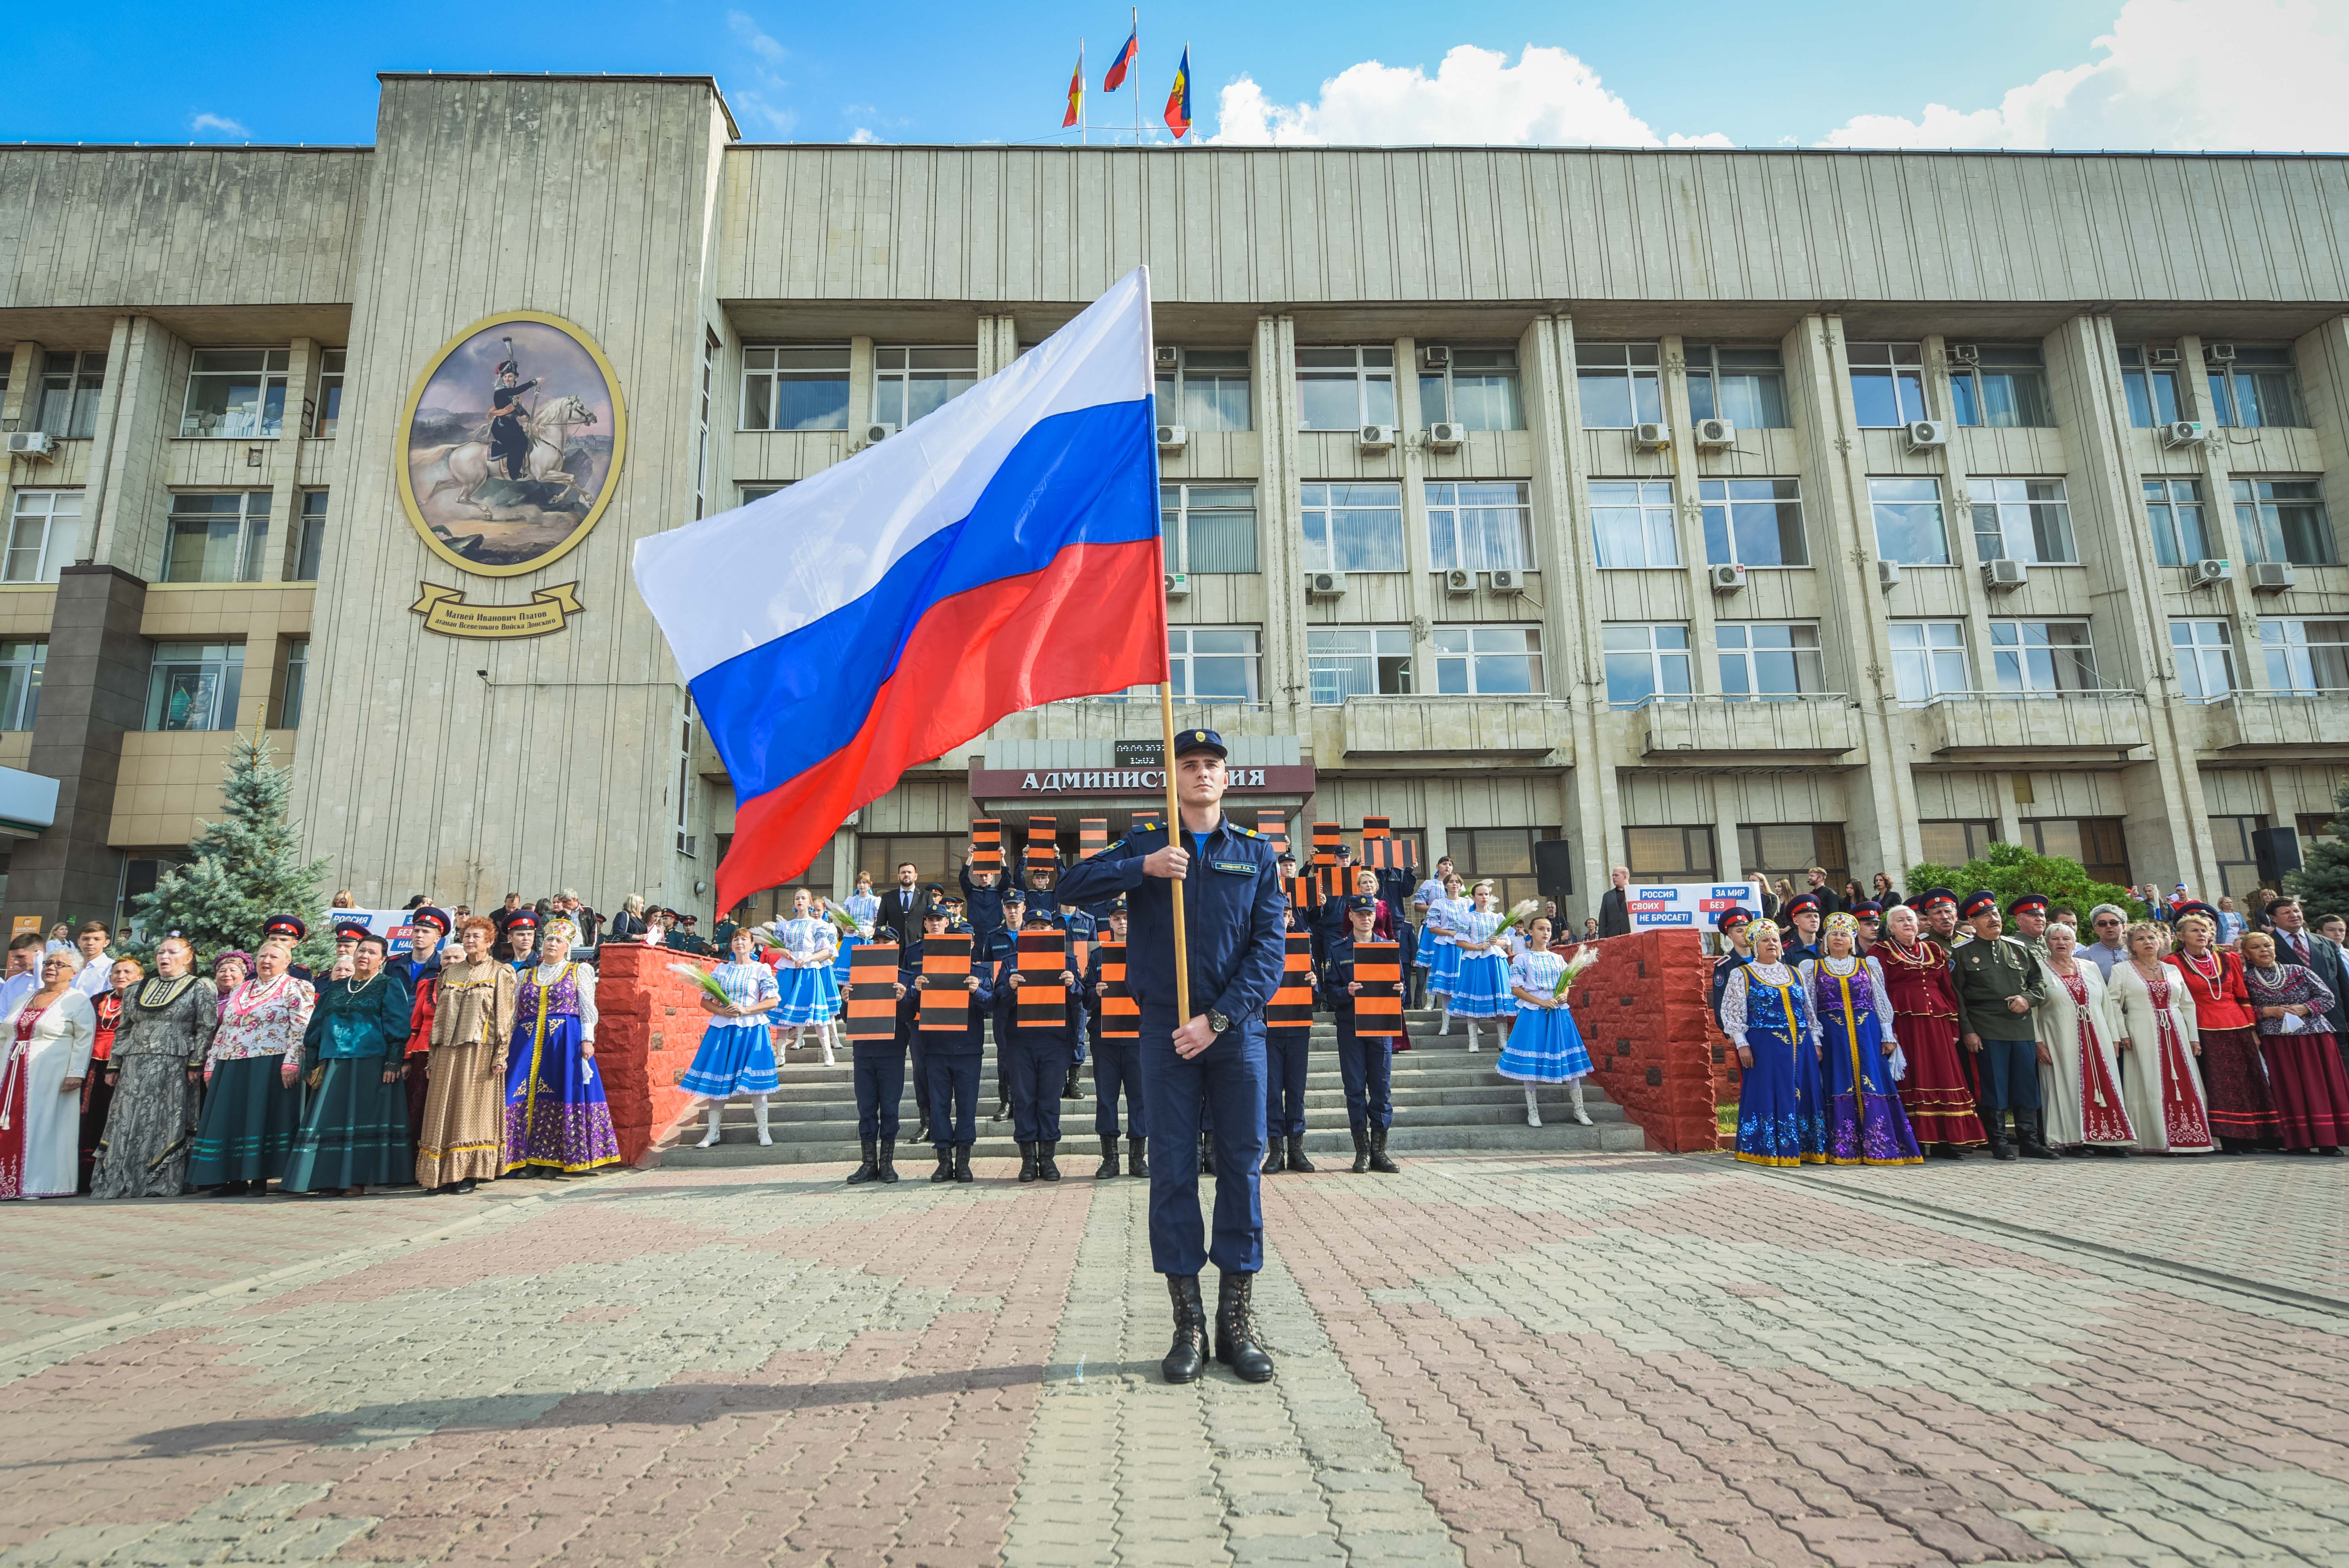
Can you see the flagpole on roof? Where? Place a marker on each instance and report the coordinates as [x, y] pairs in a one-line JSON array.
[[1082, 94], [1137, 141]]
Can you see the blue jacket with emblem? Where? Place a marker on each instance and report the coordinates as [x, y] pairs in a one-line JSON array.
[[1232, 902]]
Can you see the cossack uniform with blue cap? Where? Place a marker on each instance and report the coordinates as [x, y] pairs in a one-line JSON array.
[[289, 929], [1796, 948], [1988, 974], [525, 922]]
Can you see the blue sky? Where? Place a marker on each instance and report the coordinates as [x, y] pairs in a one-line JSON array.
[[2009, 72]]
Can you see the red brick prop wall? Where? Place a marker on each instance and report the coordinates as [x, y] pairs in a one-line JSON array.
[[648, 1024], [1645, 1010]]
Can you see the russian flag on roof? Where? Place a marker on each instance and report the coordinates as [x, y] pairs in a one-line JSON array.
[[1000, 553]]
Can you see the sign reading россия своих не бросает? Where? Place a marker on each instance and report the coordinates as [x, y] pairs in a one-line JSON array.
[[1690, 904]]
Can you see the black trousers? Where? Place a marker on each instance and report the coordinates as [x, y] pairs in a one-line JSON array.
[[954, 1098]]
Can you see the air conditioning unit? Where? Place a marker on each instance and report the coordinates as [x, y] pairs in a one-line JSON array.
[[1435, 356], [1887, 576], [2209, 573], [1375, 438], [1325, 585], [1726, 578], [1178, 586], [2161, 357], [2271, 576], [31, 444], [877, 433], [2219, 353], [1652, 438], [1965, 354], [1506, 581], [1457, 582], [1925, 435], [2003, 576], [1715, 434], [1167, 356], [1174, 437], [1445, 437], [2182, 433]]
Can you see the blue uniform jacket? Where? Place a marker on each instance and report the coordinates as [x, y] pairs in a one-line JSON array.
[[971, 1042], [1232, 902], [1009, 995], [982, 906]]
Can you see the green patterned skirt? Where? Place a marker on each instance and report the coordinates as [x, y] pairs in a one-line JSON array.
[[250, 1121], [354, 1131]]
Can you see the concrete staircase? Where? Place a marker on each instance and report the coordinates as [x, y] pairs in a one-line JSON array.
[[1444, 1099]]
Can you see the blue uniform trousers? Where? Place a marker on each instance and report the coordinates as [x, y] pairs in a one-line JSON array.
[[918, 1069], [1284, 1082], [954, 1097], [2010, 1074], [1117, 1064], [1366, 1068], [1036, 1064], [880, 1084], [1227, 1078]]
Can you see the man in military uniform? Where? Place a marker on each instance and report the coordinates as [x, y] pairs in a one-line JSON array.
[[509, 436], [1213, 1060], [982, 895], [952, 1057], [989, 949], [1116, 1064], [2029, 913], [1365, 1066], [1032, 1059], [1084, 928], [1801, 918], [1999, 982]]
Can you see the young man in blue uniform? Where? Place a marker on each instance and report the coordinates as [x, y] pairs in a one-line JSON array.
[[1080, 927], [1214, 1059], [1286, 1047], [1117, 1064], [1365, 1066], [989, 949], [983, 894], [953, 1059], [1033, 1060]]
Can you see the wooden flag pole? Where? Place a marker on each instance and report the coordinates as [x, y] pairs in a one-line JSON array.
[[1174, 835]]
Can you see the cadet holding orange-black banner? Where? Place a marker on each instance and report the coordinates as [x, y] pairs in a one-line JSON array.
[[1117, 1042], [1365, 987], [1287, 1036]]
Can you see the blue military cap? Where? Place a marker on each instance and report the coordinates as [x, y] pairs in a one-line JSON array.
[[2027, 904], [285, 925], [1189, 740], [426, 914], [1358, 902], [350, 929], [1977, 901], [1798, 904], [1865, 909], [527, 919], [1731, 917]]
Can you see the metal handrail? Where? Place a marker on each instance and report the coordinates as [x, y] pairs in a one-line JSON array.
[[2031, 696]]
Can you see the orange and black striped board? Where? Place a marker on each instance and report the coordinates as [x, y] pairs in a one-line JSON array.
[[1081, 953], [1120, 1014], [1093, 836], [987, 835], [1377, 1006], [1331, 882], [946, 999], [1041, 854], [1381, 851], [872, 991], [1274, 827], [1326, 837], [1291, 1006], [1301, 893], [1043, 1001]]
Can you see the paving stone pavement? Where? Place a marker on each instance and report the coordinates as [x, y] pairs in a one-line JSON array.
[[1528, 1359]]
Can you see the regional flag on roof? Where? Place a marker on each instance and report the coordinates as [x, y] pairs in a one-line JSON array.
[[1000, 553]]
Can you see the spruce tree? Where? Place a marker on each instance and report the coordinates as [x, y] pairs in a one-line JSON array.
[[240, 870], [2322, 883]]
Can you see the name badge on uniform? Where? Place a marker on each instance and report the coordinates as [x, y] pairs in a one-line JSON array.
[[1238, 868]]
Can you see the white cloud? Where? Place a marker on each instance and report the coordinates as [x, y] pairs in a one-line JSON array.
[[757, 106], [754, 39], [2177, 74], [210, 124], [862, 136]]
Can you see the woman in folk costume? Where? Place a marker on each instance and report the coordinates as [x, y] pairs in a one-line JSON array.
[[737, 1055], [45, 1045], [2161, 1088], [2242, 1111], [803, 968], [835, 972], [1763, 1010], [1924, 1009], [252, 1110], [1480, 983], [2081, 1106], [97, 1094], [1444, 918], [354, 1132], [462, 1140], [863, 908], [1545, 1046], [158, 1055], [2305, 1071], [1858, 1057], [557, 1119]]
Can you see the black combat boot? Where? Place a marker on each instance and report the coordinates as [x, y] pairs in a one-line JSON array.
[[1070, 1090], [1235, 1345], [869, 1169], [962, 1162], [1297, 1160], [1027, 1162], [1361, 1149], [1378, 1160], [1273, 1165], [1207, 1154], [2029, 1128], [1137, 1157], [888, 1172], [2000, 1149], [1108, 1166], [1188, 1357], [1047, 1166], [944, 1172]]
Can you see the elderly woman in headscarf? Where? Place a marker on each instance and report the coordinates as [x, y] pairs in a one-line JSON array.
[[557, 1120]]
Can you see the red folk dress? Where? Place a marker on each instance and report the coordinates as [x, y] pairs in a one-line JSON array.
[[2233, 1077], [1925, 1021]]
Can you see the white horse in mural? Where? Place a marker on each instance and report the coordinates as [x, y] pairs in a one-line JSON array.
[[464, 466]]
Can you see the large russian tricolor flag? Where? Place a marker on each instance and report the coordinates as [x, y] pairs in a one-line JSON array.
[[1000, 553]]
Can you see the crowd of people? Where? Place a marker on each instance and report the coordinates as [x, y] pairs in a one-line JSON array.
[[1881, 1034]]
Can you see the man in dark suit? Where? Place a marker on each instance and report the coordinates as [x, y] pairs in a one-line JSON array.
[[2296, 944], [1615, 905], [900, 914]]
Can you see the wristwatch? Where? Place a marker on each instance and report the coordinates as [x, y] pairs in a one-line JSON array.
[[1217, 1021]]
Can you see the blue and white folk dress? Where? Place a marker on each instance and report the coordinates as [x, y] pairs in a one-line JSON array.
[[737, 1055], [807, 998], [1429, 893], [1544, 1046], [1480, 988], [1444, 918]]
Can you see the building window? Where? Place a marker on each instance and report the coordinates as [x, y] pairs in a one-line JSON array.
[[1352, 527], [1772, 662], [2024, 519], [685, 845], [1488, 661], [1956, 841], [1211, 664], [70, 385], [194, 685], [1792, 850], [140, 875], [908, 383], [1670, 855], [217, 538], [313, 548], [760, 492], [236, 394], [42, 530], [1477, 388], [709, 347], [1480, 527], [2306, 658], [1208, 528], [329, 411], [2256, 388], [1753, 523], [2238, 862], [2314, 825], [806, 389], [1344, 388], [1502, 856], [20, 682], [2097, 842], [2181, 530], [1909, 527], [1206, 389], [1342, 662], [2151, 389], [2204, 652], [2004, 388], [2044, 657], [1746, 386], [1619, 384], [2282, 519], [1888, 383], [1929, 659], [933, 856], [1645, 664], [297, 675], [1632, 522]]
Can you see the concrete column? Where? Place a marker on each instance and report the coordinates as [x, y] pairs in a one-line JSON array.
[[1705, 658], [1280, 530], [282, 467], [97, 482], [146, 382]]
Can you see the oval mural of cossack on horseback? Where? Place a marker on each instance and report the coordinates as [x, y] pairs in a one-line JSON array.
[[510, 446]]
